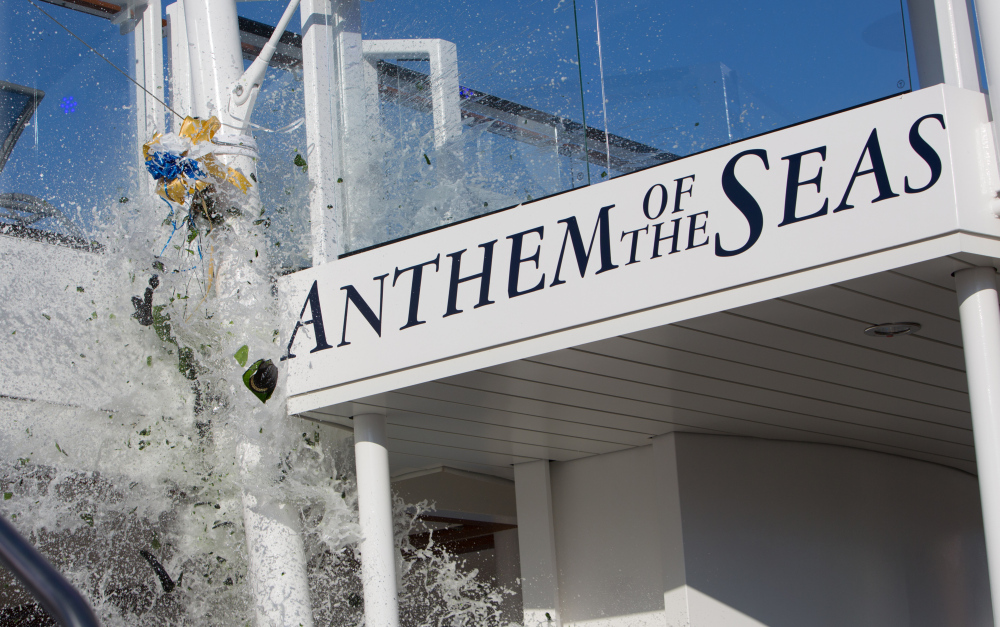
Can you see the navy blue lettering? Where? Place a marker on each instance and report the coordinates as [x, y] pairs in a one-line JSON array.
[[484, 279], [793, 184], [603, 227], [312, 302], [673, 237], [926, 153], [744, 201], [418, 275], [663, 201], [635, 241], [517, 241], [353, 296], [874, 152], [679, 191], [692, 227]]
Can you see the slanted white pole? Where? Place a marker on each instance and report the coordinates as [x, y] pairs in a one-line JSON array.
[[378, 550], [979, 312]]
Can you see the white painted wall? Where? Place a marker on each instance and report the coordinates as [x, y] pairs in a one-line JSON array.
[[606, 533], [806, 534], [739, 531]]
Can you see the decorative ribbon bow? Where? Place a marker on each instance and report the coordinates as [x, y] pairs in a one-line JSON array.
[[182, 163]]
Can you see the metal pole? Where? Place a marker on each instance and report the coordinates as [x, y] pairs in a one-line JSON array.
[[50, 589], [378, 549], [979, 312]]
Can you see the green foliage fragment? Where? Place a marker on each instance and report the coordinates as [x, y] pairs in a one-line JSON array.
[[186, 363], [300, 162], [161, 324], [242, 355]]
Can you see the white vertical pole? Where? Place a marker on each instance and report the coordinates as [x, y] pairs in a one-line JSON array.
[[322, 129], [537, 544], [352, 116], [216, 57], [147, 51], [979, 312], [943, 43], [508, 561], [277, 573], [180, 64], [444, 90], [988, 14], [274, 543], [378, 548]]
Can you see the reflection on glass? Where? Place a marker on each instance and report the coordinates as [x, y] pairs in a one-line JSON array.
[[689, 76], [558, 94], [519, 110], [68, 169]]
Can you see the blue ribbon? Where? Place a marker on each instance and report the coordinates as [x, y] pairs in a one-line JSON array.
[[167, 165]]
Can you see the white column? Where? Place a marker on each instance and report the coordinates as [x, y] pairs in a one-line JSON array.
[[537, 540], [988, 14], [147, 51], [508, 561], [942, 38], [322, 130], [180, 64], [278, 578], [350, 98], [378, 548], [676, 594], [216, 57], [277, 570], [979, 311], [147, 41]]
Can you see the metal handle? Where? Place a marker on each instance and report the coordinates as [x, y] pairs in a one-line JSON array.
[[49, 587]]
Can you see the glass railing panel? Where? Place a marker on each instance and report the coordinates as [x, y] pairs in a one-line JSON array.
[[689, 76], [520, 136], [69, 155]]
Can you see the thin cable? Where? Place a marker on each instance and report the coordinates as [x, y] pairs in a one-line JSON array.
[[583, 105], [123, 73], [604, 98]]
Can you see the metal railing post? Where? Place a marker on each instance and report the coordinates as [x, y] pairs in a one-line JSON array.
[[60, 599]]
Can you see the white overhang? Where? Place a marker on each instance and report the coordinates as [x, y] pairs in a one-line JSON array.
[[787, 246]]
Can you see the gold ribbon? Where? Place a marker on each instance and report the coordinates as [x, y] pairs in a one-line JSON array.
[[197, 131]]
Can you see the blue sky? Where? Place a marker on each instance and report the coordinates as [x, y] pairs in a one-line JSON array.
[[663, 60]]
